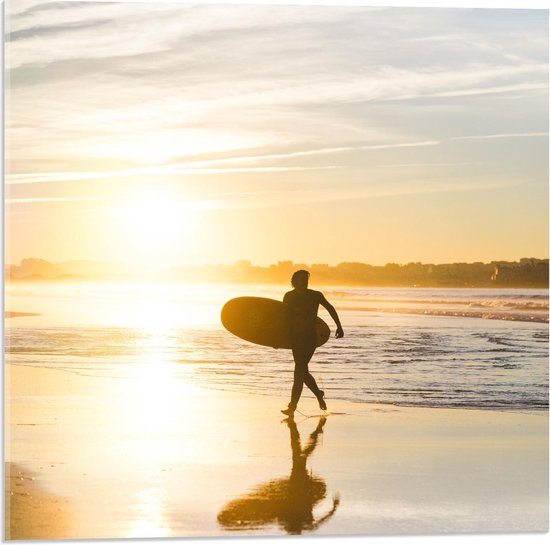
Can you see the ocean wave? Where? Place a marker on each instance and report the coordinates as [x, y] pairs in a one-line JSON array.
[[538, 316]]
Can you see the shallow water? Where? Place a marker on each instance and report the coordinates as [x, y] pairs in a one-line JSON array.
[[419, 347]]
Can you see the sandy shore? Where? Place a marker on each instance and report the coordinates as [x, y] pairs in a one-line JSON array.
[[150, 455], [32, 513]]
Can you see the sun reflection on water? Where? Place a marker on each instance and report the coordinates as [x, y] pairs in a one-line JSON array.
[[156, 308], [153, 402], [150, 518]]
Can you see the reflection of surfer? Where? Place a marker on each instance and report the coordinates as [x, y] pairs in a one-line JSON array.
[[289, 501], [303, 304], [304, 489]]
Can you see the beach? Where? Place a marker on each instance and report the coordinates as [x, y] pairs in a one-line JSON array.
[[371, 181], [130, 412], [111, 458]]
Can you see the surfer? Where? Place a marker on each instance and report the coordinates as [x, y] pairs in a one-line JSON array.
[[303, 305]]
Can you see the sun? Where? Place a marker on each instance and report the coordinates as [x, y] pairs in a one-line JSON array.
[[156, 216], [155, 227]]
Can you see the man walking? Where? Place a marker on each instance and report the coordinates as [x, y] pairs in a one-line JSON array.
[[303, 305]]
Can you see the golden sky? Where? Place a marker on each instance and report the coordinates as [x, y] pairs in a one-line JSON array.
[[187, 134]]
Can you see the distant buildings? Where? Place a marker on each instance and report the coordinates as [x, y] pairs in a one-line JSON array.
[[527, 273]]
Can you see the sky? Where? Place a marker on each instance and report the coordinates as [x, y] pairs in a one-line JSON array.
[[181, 134]]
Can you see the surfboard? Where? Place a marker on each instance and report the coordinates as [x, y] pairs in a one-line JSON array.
[[264, 321]]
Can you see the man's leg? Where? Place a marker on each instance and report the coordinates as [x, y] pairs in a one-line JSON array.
[[310, 381], [303, 352], [311, 384], [303, 376], [308, 377], [300, 372]]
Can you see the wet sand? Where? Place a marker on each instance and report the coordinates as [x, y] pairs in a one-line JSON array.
[[146, 454], [32, 513]]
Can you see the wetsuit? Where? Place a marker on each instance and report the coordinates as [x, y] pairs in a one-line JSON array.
[[302, 307]]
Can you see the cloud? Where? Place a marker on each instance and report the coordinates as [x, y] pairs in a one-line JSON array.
[[239, 200], [208, 166], [50, 200], [129, 29], [506, 135], [53, 177], [305, 153], [496, 89], [408, 186], [100, 90], [423, 165]]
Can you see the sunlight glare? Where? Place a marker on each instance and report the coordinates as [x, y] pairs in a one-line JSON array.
[[156, 307], [156, 216], [150, 520], [155, 227]]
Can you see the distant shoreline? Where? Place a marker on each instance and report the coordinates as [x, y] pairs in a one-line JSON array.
[[527, 273], [218, 281]]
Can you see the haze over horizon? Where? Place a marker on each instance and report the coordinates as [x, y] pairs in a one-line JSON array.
[[247, 262], [270, 133]]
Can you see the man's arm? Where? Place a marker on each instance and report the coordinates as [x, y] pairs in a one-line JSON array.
[[334, 315]]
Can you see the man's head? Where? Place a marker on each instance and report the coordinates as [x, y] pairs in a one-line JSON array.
[[300, 279]]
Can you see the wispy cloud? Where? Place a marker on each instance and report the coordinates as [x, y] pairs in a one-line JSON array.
[[52, 177], [506, 135], [304, 153], [237, 200], [50, 200], [268, 94], [408, 186], [97, 82], [492, 90], [423, 165], [209, 167]]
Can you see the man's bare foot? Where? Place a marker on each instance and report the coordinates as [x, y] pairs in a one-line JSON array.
[[321, 400]]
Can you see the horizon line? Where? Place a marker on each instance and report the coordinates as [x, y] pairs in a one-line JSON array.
[[279, 263]]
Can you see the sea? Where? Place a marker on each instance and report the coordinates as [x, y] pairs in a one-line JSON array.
[[420, 347]]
